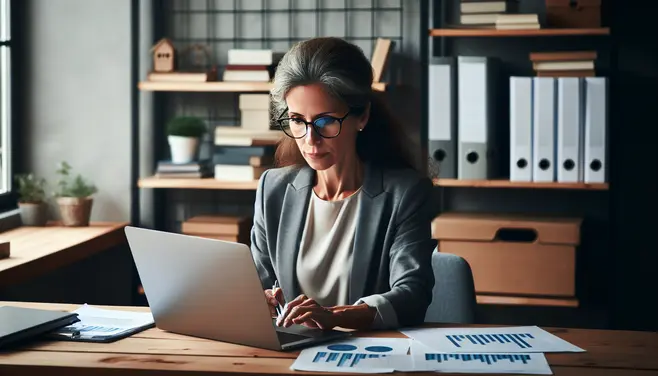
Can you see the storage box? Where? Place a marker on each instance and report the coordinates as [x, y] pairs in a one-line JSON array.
[[513, 254], [4, 249], [222, 227], [573, 13]]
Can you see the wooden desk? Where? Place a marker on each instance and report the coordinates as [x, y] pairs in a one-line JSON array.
[[38, 250], [155, 352]]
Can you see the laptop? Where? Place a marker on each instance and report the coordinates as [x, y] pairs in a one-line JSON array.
[[210, 289]]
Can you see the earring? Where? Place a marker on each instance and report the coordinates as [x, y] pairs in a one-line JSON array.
[[360, 129]]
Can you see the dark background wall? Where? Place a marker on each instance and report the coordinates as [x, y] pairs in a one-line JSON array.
[[635, 169]]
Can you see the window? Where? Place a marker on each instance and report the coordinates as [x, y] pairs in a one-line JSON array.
[[6, 175]]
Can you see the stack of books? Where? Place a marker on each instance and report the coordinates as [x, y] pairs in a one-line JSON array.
[[495, 14], [517, 21], [564, 64], [193, 170], [481, 12], [242, 163], [250, 65], [221, 227], [244, 152]]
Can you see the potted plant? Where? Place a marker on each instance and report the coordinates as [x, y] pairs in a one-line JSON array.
[[32, 200], [184, 136], [74, 197]]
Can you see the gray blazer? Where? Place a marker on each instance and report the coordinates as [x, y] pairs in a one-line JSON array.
[[392, 246]]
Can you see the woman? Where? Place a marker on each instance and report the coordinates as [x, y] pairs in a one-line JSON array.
[[343, 225]]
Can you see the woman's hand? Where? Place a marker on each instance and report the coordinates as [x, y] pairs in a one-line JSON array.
[[274, 298], [307, 312]]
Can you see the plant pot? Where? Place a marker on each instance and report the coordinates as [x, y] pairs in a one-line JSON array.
[[34, 214], [75, 211], [183, 149]]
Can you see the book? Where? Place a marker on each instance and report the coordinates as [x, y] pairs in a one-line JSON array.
[[484, 7], [563, 65]]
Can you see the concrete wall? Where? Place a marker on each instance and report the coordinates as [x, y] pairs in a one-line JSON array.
[[77, 96]]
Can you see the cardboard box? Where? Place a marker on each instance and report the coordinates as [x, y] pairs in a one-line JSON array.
[[221, 227], [513, 254], [573, 13], [4, 249]]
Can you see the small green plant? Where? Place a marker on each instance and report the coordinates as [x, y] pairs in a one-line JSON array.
[[31, 189], [186, 126], [72, 186]]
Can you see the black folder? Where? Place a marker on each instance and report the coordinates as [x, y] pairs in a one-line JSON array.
[[19, 324]]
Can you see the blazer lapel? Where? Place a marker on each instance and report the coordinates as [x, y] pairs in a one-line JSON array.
[[371, 206], [293, 218]]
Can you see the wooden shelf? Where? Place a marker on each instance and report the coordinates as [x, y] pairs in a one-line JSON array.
[[517, 184], [459, 32], [205, 183], [528, 301], [218, 86]]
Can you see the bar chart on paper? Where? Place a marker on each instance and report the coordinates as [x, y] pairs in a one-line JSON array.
[[362, 355], [527, 339], [425, 359], [484, 358], [350, 360], [519, 339]]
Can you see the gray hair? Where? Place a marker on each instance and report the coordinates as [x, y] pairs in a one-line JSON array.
[[340, 66]]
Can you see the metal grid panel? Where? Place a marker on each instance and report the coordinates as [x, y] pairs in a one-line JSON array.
[[224, 24], [220, 25]]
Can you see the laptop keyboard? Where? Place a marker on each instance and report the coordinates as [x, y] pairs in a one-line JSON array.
[[289, 337]]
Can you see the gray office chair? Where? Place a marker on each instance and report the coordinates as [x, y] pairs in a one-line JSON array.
[[453, 297]]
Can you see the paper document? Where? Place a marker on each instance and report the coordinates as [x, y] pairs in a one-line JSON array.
[[104, 323], [425, 359], [519, 339], [363, 355]]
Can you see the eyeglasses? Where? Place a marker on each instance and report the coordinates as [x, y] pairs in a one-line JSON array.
[[326, 126]]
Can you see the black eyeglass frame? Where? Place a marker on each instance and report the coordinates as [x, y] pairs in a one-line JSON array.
[[279, 121]]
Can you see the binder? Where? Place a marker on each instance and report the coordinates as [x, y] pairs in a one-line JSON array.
[[543, 133], [569, 130], [442, 122], [595, 129], [476, 114], [18, 324], [521, 129], [103, 325]]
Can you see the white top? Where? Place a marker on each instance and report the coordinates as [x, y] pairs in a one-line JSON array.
[[325, 253], [324, 262]]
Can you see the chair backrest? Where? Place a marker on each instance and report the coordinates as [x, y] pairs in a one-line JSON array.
[[453, 297]]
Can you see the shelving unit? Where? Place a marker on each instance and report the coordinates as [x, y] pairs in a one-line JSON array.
[[460, 32], [218, 86], [216, 28], [544, 198], [205, 183], [518, 184], [527, 301]]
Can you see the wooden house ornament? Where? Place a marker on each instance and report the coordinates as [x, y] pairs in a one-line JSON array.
[[163, 56]]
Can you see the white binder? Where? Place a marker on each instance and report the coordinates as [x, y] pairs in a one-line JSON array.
[[595, 129], [442, 122], [520, 128], [569, 130], [476, 76], [543, 137]]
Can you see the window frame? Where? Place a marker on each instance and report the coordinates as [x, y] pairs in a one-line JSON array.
[[9, 200]]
